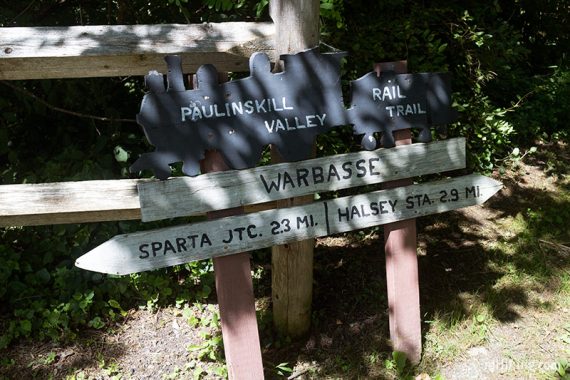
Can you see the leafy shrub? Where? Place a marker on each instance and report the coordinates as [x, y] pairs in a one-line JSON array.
[[510, 79]]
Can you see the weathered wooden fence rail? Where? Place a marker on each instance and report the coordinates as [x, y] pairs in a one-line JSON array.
[[94, 201], [122, 50]]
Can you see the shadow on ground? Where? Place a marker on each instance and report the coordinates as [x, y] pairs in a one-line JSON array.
[[478, 258], [468, 260], [56, 361]]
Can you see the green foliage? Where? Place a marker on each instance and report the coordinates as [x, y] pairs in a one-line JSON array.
[[283, 369], [211, 347], [399, 363], [43, 295], [511, 83], [544, 107], [504, 102], [332, 11], [563, 369]]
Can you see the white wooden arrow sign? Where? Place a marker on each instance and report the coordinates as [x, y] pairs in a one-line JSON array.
[[182, 196], [146, 250]]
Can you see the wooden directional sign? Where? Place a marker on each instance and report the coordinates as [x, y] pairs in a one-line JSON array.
[[288, 110], [182, 196], [148, 250]]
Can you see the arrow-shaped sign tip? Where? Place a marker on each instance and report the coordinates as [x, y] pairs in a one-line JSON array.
[[492, 184], [102, 258]]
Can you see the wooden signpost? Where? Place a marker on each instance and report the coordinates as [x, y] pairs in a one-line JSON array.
[[225, 126], [149, 250], [215, 127], [183, 196], [400, 251]]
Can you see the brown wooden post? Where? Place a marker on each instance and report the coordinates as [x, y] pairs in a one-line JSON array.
[[296, 29], [400, 247], [234, 288]]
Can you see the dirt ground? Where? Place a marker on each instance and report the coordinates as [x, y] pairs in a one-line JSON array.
[[481, 319]]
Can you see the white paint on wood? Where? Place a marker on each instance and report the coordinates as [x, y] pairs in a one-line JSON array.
[[95, 201], [121, 50], [148, 250], [183, 196]]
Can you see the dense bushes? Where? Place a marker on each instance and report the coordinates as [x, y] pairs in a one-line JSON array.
[[510, 72], [511, 83]]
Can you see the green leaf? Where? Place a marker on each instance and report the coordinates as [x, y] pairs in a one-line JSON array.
[[194, 347], [283, 368], [26, 327], [400, 360], [121, 155], [96, 323], [43, 275]]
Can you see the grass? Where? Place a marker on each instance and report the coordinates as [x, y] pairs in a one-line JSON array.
[[526, 281], [494, 297]]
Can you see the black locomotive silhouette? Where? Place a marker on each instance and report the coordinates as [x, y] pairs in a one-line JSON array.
[[288, 109]]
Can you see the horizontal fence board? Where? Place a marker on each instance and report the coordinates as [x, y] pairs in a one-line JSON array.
[[183, 196], [122, 50], [69, 202], [95, 201], [146, 250]]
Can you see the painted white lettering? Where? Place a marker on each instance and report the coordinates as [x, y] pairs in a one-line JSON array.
[[399, 94], [185, 111], [205, 114], [279, 125], [259, 106], [275, 105], [376, 94], [218, 114], [298, 124], [269, 127], [310, 121], [285, 107], [399, 110], [248, 105], [237, 108], [196, 114], [420, 111]]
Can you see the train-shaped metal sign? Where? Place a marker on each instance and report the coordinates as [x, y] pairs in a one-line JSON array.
[[289, 109]]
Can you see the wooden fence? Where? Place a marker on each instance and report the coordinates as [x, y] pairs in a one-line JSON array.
[[123, 50]]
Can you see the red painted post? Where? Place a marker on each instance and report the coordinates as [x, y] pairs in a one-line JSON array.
[[400, 246], [234, 288]]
